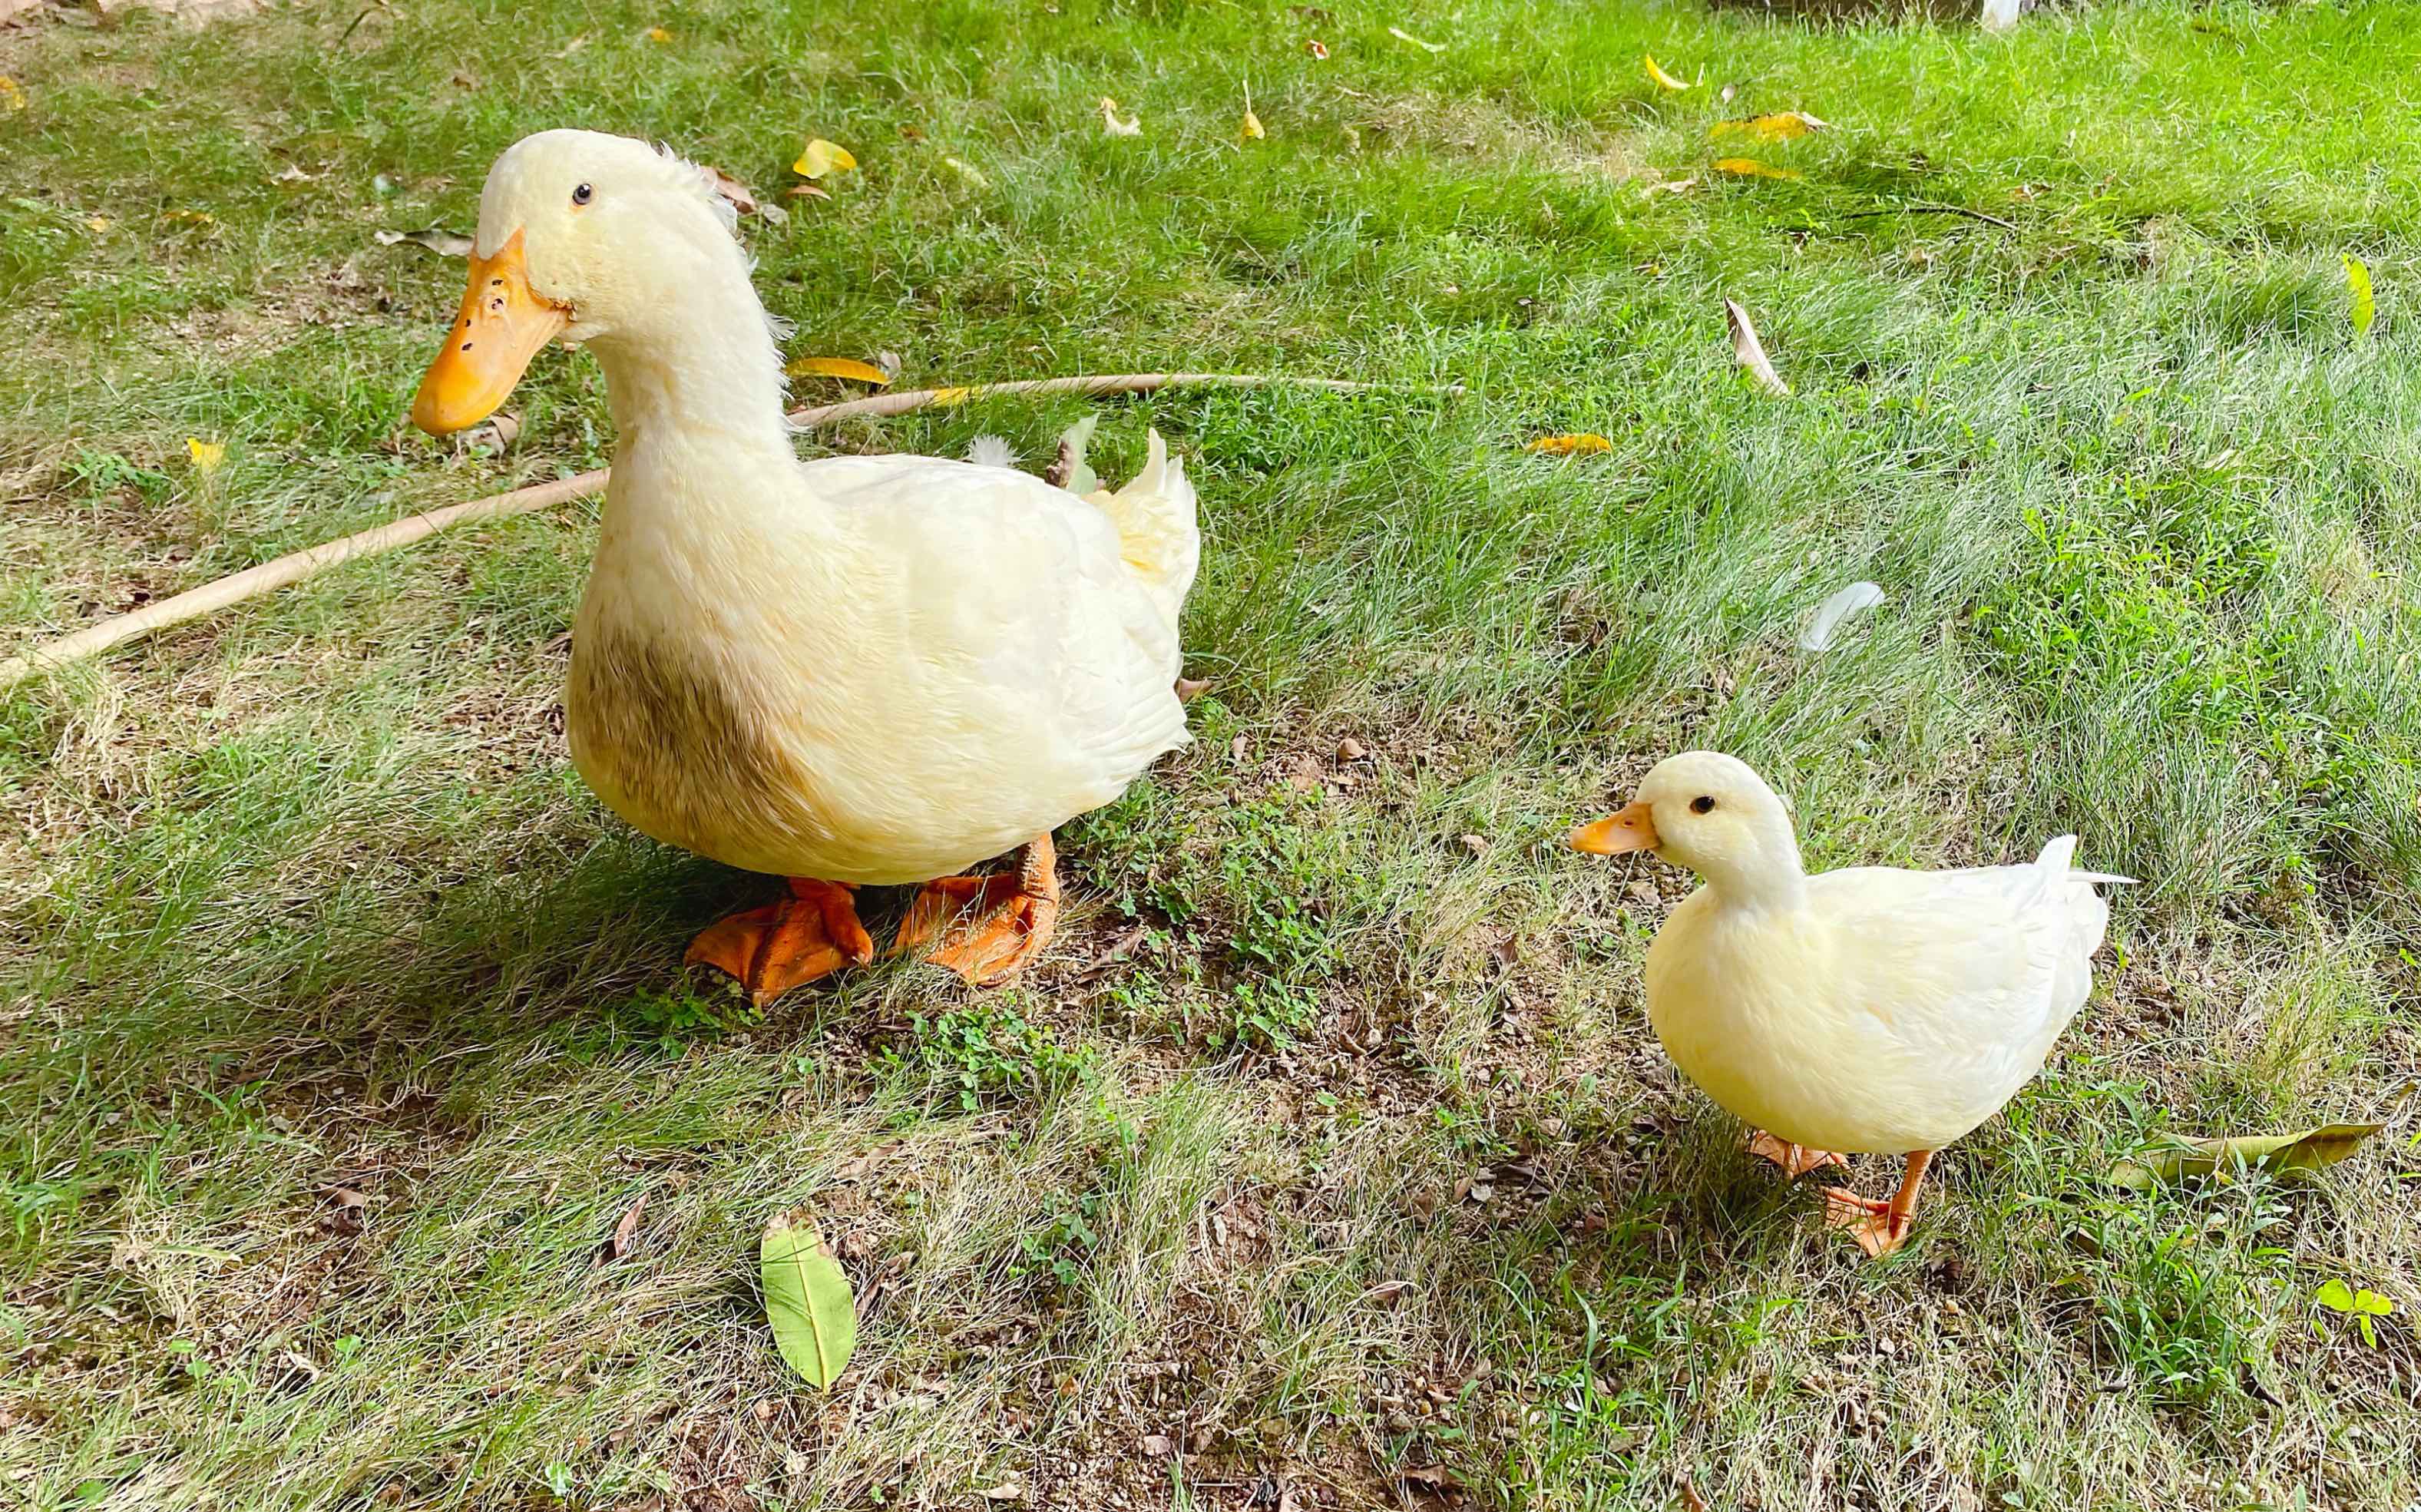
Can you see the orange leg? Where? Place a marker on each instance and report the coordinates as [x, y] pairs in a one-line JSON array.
[[770, 950], [1879, 1227], [1795, 1159], [986, 928]]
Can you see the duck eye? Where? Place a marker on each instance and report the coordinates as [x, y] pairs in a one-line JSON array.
[[582, 194], [1702, 804]]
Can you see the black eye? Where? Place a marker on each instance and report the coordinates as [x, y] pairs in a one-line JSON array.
[[1702, 804], [582, 194]]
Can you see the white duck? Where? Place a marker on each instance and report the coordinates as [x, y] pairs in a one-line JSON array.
[[1867, 1009], [855, 671]]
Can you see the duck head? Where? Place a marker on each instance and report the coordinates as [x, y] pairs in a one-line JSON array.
[[592, 239], [1712, 814]]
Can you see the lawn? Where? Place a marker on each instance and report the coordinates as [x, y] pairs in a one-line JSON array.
[[340, 1025]]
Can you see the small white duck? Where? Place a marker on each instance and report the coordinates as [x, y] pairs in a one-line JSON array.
[[855, 671], [1866, 1009]]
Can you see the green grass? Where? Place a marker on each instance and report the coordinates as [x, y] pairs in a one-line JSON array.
[[305, 897]]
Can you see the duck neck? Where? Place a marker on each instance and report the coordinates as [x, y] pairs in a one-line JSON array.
[[1772, 880], [712, 368]]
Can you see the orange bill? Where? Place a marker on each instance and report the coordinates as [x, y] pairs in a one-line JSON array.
[[500, 326], [1634, 829]]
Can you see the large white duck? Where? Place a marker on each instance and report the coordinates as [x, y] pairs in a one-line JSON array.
[[1871, 1008], [855, 671]]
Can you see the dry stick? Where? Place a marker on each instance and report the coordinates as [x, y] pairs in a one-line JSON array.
[[296, 566]]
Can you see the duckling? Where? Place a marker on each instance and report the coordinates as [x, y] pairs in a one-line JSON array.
[[857, 671], [1871, 1008]]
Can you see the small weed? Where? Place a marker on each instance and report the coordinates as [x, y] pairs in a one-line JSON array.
[[970, 1057]]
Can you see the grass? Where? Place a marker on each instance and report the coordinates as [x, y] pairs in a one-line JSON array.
[[1327, 1142]]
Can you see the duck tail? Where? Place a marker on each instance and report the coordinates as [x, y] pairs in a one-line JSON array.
[[1154, 514], [2060, 856]]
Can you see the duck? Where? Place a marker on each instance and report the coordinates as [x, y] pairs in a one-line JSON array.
[[1869, 1009], [849, 672]]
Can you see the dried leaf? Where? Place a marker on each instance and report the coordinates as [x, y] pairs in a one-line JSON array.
[[1350, 749], [1251, 130], [207, 455], [1132, 126], [806, 192], [742, 197], [1780, 127], [2365, 308], [657, 34], [1402, 36], [1317, 48], [1669, 186], [1582, 445], [624, 1232], [806, 1300], [1750, 351], [1189, 689], [849, 367], [1660, 78], [819, 158], [1691, 1500], [13, 96], [1158, 1445], [494, 434], [1834, 610], [1436, 1479], [1751, 168], [2285, 1154], [436, 238], [1007, 1491], [1388, 1293], [97, 224]]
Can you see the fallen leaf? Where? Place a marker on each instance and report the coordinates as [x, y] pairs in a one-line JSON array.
[[2285, 1154], [1007, 1491], [657, 34], [849, 367], [97, 224], [1750, 352], [207, 455], [806, 192], [1834, 610], [1189, 689], [1691, 1500], [820, 158], [1475, 844], [807, 1300], [293, 174], [1251, 130], [1660, 78], [1132, 126], [12, 97], [1436, 1479], [494, 434], [1780, 127], [740, 196], [1402, 36], [1582, 445], [974, 178], [1317, 48], [1388, 1293], [1158, 1445], [1670, 186], [1751, 168], [189, 217], [2365, 307], [436, 238], [624, 1232], [1350, 749]]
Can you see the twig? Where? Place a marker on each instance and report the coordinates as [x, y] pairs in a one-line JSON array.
[[310, 561], [1933, 210]]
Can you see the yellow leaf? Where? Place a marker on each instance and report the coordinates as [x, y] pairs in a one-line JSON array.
[[1252, 128], [2365, 308], [1751, 168], [657, 34], [945, 397], [97, 223], [820, 158], [12, 99], [1577, 445], [189, 217], [1782, 126], [1660, 78], [863, 372], [207, 455]]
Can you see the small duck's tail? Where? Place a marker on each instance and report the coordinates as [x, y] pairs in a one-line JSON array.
[[1154, 514], [2060, 856]]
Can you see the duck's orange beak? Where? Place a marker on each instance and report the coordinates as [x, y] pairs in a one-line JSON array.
[[500, 326], [1634, 829]]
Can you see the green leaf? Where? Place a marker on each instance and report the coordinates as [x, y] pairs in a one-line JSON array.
[[2358, 282], [2285, 1154], [807, 1301], [2335, 1296]]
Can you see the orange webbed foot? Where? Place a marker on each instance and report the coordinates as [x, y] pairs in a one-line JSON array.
[[986, 928], [1795, 1159], [1879, 1227], [813, 933]]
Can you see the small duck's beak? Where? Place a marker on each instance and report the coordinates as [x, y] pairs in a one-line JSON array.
[[1634, 829], [500, 326]]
